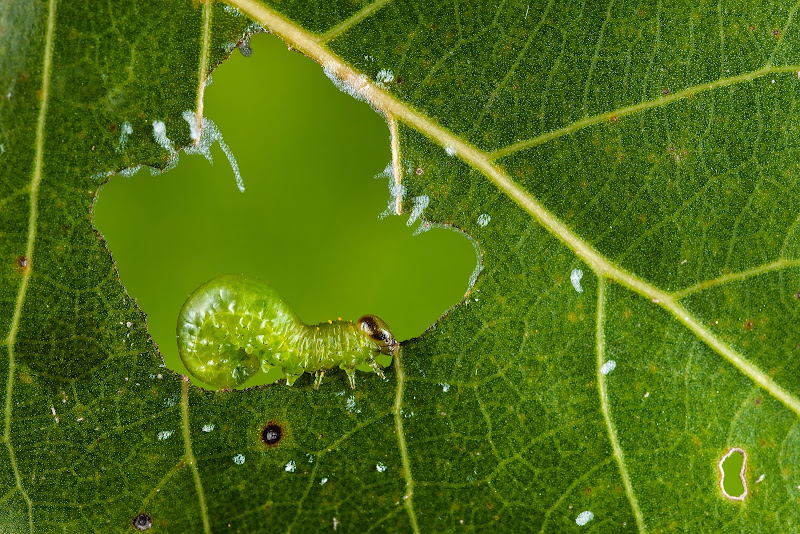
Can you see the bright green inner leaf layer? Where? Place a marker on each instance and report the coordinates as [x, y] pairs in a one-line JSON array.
[[630, 172], [307, 223]]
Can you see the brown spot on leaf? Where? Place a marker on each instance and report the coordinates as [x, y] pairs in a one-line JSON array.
[[22, 264], [748, 324]]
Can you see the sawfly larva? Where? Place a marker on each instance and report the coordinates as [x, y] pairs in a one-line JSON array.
[[233, 326]]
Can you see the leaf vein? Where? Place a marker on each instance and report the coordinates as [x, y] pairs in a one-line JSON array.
[[23, 287], [604, 405], [641, 106]]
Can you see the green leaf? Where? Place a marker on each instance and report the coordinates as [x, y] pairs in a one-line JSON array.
[[630, 173]]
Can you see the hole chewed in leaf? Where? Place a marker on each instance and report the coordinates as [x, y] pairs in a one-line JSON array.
[[142, 522], [271, 434], [735, 460]]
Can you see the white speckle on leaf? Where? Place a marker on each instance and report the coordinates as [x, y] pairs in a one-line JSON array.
[[208, 428], [125, 132], [445, 386], [575, 278], [450, 151], [646, 394], [385, 76], [396, 192], [53, 411], [160, 135], [130, 171], [607, 367], [335, 523], [350, 404], [205, 137], [323, 481], [759, 479], [169, 402], [164, 434], [584, 517], [380, 467], [483, 220], [420, 203], [238, 459], [291, 467], [232, 10]]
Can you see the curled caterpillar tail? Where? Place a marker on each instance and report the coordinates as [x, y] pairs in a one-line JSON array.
[[232, 327]]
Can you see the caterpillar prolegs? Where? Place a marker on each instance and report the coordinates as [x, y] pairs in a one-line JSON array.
[[233, 326]]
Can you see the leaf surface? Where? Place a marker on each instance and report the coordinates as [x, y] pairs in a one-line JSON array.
[[630, 173]]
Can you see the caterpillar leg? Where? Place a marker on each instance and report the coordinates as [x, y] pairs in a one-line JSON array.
[[290, 379], [377, 368], [351, 376], [318, 378]]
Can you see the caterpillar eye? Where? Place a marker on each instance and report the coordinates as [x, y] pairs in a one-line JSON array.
[[377, 330]]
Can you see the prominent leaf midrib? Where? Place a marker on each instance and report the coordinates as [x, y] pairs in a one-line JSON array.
[[394, 109], [309, 44], [26, 272]]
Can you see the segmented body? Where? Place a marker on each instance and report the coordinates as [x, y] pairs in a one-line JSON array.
[[233, 326]]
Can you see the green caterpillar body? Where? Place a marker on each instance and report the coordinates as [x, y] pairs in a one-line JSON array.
[[233, 326]]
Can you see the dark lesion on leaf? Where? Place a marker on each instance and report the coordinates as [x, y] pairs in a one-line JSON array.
[[272, 434], [142, 522], [23, 264]]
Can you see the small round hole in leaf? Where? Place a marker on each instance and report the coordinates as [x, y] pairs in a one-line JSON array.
[[142, 522], [271, 434]]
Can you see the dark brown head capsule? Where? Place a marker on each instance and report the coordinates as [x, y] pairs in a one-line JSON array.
[[378, 331]]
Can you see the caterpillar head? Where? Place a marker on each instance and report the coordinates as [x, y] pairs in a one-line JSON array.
[[378, 332]]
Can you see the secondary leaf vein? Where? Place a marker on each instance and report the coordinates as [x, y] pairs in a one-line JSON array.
[[601, 382], [26, 275]]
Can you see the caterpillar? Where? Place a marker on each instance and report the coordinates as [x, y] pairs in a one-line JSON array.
[[233, 326]]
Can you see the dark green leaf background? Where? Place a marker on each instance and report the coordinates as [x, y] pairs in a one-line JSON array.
[[650, 150]]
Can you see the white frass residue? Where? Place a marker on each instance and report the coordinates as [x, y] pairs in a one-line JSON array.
[[238, 459], [125, 132], [483, 220], [291, 467], [575, 277], [396, 192], [420, 203], [584, 517], [205, 136], [607, 367], [356, 86], [130, 171], [380, 467], [160, 135], [445, 386], [385, 76], [164, 434], [208, 428], [450, 150], [350, 405]]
